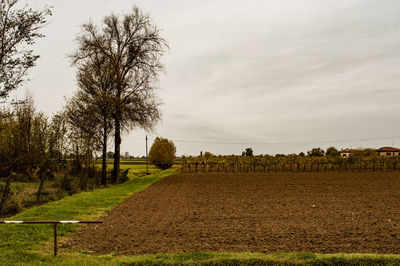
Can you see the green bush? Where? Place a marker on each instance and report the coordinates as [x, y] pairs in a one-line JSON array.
[[162, 153], [13, 202]]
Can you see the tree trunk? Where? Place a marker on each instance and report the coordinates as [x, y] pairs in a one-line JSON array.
[[117, 141], [40, 189], [6, 193], [104, 158], [78, 162]]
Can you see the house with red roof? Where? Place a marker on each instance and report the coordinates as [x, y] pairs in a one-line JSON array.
[[384, 151], [388, 151]]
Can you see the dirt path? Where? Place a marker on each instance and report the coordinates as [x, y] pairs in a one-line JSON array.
[[325, 213]]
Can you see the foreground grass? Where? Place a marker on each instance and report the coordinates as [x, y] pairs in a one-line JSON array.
[[32, 244], [220, 258]]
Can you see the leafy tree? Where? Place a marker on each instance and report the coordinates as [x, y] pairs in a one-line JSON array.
[[332, 151], [248, 152], [370, 152], [162, 153], [110, 155], [19, 29], [317, 152], [208, 154], [130, 49], [365, 153]]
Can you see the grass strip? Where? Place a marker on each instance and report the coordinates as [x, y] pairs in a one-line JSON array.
[[221, 258]]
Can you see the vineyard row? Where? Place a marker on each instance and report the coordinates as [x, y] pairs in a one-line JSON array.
[[306, 165]]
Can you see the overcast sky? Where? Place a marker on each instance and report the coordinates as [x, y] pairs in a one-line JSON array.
[[278, 76]]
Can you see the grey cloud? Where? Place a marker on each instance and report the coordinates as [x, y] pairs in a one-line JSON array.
[[254, 71]]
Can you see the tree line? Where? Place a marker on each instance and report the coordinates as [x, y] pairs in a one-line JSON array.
[[117, 69]]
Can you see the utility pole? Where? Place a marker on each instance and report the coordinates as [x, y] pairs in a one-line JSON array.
[[147, 162]]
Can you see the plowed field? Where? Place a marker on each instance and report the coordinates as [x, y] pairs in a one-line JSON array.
[[288, 212]]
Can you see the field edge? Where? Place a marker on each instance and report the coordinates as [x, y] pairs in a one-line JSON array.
[[225, 258]]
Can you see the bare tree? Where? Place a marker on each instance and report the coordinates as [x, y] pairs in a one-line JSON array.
[[19, 28], [83, 128], [95, 84], [89, 111], [58, 141], [130, 49]]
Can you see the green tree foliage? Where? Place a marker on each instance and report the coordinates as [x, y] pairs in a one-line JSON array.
[[32, 147], [26, 140], [162, 153], [208, 154], [332, 151], [19, 29], [110, 155], [29, 141], [247, 152], [365, 153], [317, 152]]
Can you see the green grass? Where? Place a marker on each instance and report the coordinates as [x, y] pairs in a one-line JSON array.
[[32, 244], [217, 258], [134, 169]]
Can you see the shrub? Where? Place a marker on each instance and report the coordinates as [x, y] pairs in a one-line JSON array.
[[13, 203], [124, 176], [162, 153], [332, 151]]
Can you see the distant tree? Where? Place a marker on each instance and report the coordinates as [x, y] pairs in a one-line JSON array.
[[302, 154], [365, 153], [317, 152], [248, 152], [332, 151], [19, 29], [370, 152], [130, 49], [208, 154], [110, 155], [162, 153]]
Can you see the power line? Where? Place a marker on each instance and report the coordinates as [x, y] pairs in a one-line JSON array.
[[275, 143]]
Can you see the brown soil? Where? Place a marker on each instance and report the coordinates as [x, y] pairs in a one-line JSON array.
[[325, 213]]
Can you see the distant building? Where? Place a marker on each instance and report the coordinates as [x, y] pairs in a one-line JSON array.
[[384, 151], [388, 151], [346, 152]]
